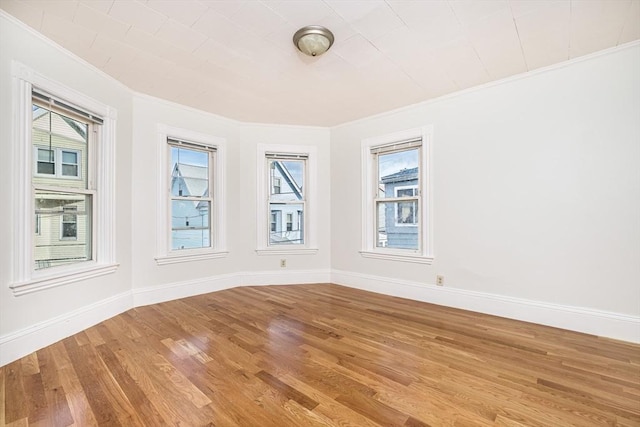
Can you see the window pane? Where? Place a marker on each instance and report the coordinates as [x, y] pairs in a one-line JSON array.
[[69, 157], [189, 172], [407, 213], [45, 155], [46, 162], [399, 169], [69, 170], [287, 224], [69, 229], [405, 192], [46, 168], [391, 231], [64, 226], [190, 224], [286, 180]]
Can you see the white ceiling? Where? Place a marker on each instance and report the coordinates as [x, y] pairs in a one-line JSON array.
[[236, 58]]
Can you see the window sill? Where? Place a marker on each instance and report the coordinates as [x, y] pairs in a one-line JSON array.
[[417, 259], [41, 283], [176, 259], [287, 251]]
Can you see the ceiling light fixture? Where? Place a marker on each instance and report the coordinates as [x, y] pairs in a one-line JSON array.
[[313, 40]]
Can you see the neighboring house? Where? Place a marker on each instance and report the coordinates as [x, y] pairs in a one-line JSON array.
[[61, 219], [400, 219], [286, 220], [190, 218]]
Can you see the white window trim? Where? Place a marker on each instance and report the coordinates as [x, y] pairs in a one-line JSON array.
[[369, 249], [263, 218], [218, 247], [25, 279]]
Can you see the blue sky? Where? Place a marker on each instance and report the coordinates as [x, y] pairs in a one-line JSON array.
[[395, 162], [189, 157], [295, 169]]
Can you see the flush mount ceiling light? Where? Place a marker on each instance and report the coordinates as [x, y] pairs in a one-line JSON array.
[[313, 40]]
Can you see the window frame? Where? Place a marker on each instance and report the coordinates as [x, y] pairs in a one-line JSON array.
[[25, 278], [263, 183], [217, 217], [370, 200]]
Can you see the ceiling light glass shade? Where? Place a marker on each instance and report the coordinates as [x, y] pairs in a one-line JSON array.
[[313, 40]]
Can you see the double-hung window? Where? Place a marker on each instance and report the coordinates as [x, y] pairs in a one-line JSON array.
[[63, 140], [64, 210], [287, 197], [190, 211], [190, 198], [397, 196], [286, 192]]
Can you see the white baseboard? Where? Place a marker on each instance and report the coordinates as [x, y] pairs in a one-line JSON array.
[[162, 293], [602, 323], [168, 292], [579, 319], [291, 277], [25, 341]]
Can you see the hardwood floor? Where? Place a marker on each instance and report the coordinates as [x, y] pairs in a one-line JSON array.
[[321, 355]]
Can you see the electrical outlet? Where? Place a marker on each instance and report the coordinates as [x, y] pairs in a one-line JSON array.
[[440, 280], [283, 263]]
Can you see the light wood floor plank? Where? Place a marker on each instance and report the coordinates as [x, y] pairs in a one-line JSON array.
[[321, 355]]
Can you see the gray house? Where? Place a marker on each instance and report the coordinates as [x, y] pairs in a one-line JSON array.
[[190, 222], [286, 207], [190, 218], [400, 220]]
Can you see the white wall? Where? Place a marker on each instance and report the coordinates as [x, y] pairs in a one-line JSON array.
[[18, 313], [536, 188], [537, 200], [32, 321], [242, 139]]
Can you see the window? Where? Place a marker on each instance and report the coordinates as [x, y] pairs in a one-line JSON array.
[[287, 171], [276, 184], [70, 165], [46, 164], [69, 229], [57, 162], [62, 139], [287, 195], [275, 221], [290, 221], [286, 187], [396, 203], [190, 196], [37, 224], [64, 216], [407, 211]]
